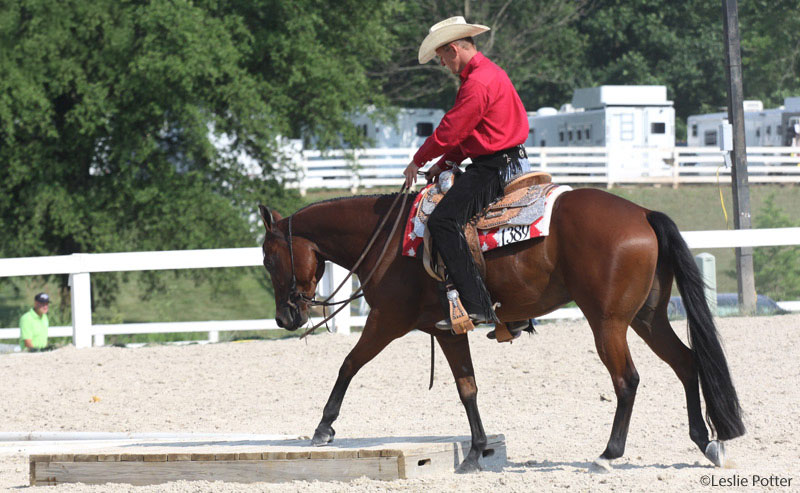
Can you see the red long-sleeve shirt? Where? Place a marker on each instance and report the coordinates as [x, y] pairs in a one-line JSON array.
[[487, 117]]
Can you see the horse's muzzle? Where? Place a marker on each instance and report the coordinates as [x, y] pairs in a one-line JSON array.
[[290, 318]]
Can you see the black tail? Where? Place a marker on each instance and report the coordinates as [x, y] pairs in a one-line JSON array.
[[722, 404]]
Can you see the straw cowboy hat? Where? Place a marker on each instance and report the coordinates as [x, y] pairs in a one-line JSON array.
[[445, 32]]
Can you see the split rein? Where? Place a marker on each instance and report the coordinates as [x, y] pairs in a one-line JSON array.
[[296, 296]]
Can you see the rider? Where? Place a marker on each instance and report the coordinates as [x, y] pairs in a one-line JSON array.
[[487, 124]]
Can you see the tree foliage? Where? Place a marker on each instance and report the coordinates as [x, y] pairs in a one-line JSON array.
[[535, 41], [777, 269], [106, 108]]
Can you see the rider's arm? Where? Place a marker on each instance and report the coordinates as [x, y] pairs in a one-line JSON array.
[[456, 125]]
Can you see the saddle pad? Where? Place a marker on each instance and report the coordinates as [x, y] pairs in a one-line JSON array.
[[489, 238]]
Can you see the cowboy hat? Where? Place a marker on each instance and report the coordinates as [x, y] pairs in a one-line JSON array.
[[445, 32]]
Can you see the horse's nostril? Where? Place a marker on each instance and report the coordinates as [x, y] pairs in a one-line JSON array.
[[279, 322]]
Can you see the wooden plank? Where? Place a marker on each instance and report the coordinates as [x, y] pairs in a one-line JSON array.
[[32, 470], [144, 473], [155, 458], [368, 453], [278, 455], [305, 454], [178, 457], [419, 462], [377, 458]]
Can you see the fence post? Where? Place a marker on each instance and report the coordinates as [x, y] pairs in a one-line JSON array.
[[341, 322], [81, 287], [675, 169], [708, 270]]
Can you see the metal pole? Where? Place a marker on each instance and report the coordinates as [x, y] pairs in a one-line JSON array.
[[741, 190]]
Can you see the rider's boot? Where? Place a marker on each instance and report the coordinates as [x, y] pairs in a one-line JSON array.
[[516, 328], [458, 312]]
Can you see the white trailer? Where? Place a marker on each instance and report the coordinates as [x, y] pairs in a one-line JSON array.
[[605, 116], [774, 127], [622, 117], [410, 129]]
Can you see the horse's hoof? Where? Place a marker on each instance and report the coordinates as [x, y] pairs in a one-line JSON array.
[[468, 467], [601, 465], [322, 437], [715, 452]]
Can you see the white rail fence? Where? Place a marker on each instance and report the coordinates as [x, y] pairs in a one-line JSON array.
[[609, 166], [80, 266]]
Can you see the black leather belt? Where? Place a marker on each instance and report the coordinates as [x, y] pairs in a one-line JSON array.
[[517, 152]]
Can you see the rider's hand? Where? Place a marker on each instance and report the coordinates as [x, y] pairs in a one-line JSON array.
[[433, 173], [411, 173]]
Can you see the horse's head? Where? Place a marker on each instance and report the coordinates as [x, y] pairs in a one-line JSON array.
[[294, 273]]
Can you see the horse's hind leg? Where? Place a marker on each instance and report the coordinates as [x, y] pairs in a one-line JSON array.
[[371, 342], [654, 328], [456, 350], [612, 347]]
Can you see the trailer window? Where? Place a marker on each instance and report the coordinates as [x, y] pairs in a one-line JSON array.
[[561, 136], [769, 130], [588, 134], [694, 130], [580, 135], [570, 135], [710, 138], [658, 128], [424, 129]]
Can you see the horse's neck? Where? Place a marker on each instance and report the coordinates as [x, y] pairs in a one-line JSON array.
[[340, 228]]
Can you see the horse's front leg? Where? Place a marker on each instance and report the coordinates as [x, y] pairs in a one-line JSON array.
[[456, 350], [371, 342]]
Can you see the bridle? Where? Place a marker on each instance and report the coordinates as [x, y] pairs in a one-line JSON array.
[[296, 296]]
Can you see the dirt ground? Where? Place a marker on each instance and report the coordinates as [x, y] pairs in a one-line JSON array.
[[548, 394]]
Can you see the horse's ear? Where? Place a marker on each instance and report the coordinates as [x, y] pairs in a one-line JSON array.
[[268, 217]]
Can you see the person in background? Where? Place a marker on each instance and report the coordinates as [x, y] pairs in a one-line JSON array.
[[34, 324]]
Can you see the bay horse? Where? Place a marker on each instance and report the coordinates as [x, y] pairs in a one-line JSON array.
[[615, 259]]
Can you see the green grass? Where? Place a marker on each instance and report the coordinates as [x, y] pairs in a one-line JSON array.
[[245, 293]]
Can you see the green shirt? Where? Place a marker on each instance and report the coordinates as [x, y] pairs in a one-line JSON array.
[[33, 327]]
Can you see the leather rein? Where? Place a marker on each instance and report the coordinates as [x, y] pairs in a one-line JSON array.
[[296, 296]]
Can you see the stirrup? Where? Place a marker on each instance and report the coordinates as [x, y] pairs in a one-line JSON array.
[[460, 321], [514, 329]]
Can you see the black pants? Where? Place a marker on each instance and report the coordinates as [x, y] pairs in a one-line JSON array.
[[473, 191]]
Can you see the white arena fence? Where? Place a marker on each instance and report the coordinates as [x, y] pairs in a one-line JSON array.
[[608, 166], [80, 266]]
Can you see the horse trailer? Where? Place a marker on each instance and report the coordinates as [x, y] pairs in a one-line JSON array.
[[638, 122], [410, 128], [762, 128]]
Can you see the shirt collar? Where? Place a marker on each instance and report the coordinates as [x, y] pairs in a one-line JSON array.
[[473, 63]]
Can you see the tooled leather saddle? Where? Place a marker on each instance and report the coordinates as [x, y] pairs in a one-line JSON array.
[[523, 201]]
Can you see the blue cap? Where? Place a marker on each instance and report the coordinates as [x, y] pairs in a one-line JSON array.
[[42, 298]]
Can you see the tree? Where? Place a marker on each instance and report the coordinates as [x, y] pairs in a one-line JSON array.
[[534, 41], [777, 269], [676, 44], [106, 108], [770, 49]]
